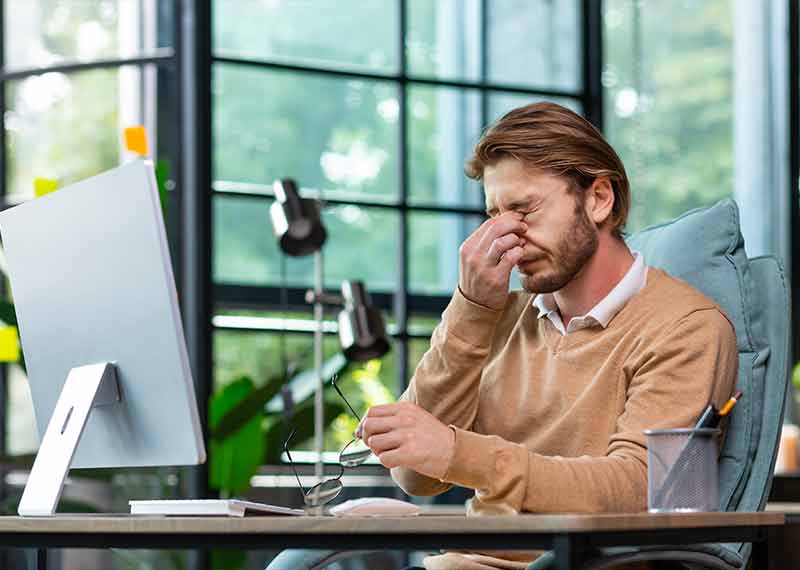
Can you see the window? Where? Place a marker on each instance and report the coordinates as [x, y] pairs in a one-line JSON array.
[[682, 112], [378, 126], [74, 75]]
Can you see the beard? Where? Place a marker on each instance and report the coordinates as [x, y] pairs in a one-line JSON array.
[[574, 249]]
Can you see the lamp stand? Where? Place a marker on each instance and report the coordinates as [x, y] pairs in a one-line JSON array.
[[319, 410]]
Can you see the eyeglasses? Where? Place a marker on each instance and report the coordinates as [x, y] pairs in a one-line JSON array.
[[352, 455]]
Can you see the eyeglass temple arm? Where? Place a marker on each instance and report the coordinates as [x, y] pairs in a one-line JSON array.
[[335, 387], [291, 462]]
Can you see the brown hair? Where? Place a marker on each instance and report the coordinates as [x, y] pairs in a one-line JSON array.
[[550, 137]]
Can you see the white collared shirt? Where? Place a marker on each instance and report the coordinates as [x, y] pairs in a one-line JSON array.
[[602, 313]]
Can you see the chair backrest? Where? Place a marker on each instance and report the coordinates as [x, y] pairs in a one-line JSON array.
[[705, 248]]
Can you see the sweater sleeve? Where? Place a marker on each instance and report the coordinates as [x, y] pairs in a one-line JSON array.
[[447, 378], [670, 383]]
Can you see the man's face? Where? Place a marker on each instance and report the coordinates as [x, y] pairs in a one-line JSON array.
[[560, 237]]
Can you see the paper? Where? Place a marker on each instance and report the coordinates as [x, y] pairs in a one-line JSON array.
[[42, 186], [136, 140], [9, 344]]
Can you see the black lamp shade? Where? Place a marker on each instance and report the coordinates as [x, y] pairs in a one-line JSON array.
[[296, 221], [362, 332]]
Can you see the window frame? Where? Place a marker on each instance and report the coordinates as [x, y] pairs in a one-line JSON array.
[[401, 303]]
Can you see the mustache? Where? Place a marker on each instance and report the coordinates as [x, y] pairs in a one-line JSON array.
[[528, 259]]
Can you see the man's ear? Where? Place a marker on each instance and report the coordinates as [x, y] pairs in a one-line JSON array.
[[599, 200]]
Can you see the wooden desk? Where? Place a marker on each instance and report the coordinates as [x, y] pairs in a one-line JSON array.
[[568, 535]]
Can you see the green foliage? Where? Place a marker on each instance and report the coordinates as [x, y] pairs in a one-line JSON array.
[[677, 145], [162, 169], [246, 431], [236, 457]]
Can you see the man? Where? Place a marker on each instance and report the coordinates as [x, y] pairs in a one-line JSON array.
[[538, 400]]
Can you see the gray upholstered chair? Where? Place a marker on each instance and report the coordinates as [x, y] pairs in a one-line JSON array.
[[705, 248]]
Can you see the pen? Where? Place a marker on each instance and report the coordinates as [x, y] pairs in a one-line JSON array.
[[711, 417]]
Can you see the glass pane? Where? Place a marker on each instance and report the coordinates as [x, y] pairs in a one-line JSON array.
[[443, 126], [422, 324], [338, 135], [39, 33], [68, 127], [501, 103], [668, 91], [350, 33], [258, 355], [21, 437], [362, 244], [443, 39], [434, 240], [535, 42]]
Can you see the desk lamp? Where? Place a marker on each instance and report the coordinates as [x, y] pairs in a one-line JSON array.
[[298, 227]]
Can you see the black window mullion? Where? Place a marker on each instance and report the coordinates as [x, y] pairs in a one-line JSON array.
[[401, 297], [592, 48], [484, 68], [794, 170]]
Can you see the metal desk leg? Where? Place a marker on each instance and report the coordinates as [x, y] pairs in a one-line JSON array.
[[568, 550]]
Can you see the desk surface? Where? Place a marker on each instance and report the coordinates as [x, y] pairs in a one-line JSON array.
[[431, 524]]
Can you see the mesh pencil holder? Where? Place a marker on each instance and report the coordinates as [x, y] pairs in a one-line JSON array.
[[682, 470]]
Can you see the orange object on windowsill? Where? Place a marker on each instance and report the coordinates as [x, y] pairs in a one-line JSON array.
[[787, 461]]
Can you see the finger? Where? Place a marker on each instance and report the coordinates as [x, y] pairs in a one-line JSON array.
[[479, 234], [508, 223], [510, 258], [385, 442], [383, 410], [379, 411], [375, 426], [500, 246]]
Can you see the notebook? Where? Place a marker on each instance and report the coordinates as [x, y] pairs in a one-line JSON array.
[[208, 508]]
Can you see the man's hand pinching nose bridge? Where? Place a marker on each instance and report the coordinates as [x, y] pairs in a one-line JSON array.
[[487, 258]]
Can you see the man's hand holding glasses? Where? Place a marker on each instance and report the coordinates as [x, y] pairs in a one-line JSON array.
[[405, 435], [352, 455]]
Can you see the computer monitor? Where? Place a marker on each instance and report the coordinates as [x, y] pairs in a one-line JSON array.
[[95, 297]]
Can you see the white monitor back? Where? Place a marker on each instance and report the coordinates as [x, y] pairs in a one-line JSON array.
[[92, 282]]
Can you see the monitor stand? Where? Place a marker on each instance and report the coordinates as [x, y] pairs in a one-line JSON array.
[[86, 387]]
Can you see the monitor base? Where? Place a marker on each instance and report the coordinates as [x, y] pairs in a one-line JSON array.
[[86, 387]]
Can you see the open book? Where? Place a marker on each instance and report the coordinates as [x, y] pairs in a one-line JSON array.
[[208, 508]]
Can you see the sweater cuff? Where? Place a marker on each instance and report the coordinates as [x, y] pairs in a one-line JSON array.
[[472, 463], [471, 322]]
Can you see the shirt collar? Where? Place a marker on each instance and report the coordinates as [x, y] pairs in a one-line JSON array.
[[632, 282]]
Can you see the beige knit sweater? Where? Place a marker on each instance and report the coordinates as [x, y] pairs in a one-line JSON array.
[[547, 423]]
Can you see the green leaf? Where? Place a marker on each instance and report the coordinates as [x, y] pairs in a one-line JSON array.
[[302, 422], [246, 409], [234, 460], [162, 177], [269, 395], [228, 559], [7, 312]]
